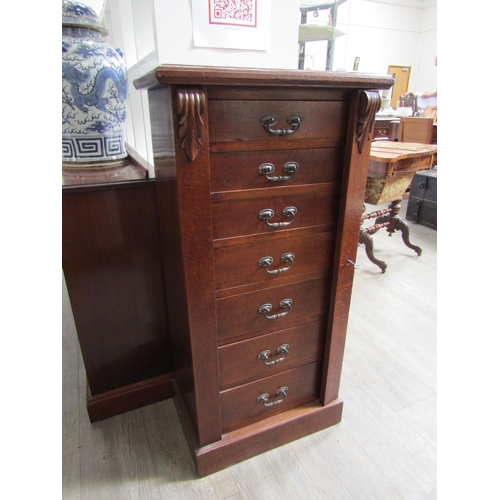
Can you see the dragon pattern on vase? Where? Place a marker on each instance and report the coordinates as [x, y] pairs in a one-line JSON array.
[[94, 93]]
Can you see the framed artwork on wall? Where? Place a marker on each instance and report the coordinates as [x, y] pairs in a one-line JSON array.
[[232, 24]]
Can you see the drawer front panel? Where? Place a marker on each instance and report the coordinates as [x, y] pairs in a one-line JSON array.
[[235, 171], [240, 406], [382, 133], [238, 316], [273, 260], [240, 121], [240, 363], [309, 207]]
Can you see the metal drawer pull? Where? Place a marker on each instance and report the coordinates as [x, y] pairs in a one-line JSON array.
[[269, 120], [265, 262], [268, 213], [264, 398], [266, 309], [264, 355], [268, 168]]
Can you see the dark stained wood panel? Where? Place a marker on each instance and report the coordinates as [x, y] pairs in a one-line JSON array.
[[238, 316], [243, 264], [239, 362], [113, 268], [315, 205], [240, 406], [240, 121], [240, 170]]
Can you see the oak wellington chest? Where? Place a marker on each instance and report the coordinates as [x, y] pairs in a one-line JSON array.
[[261, 177]]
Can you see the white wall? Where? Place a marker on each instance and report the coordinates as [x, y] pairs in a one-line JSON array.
[[175, 39], [380, 32], [427, 70], [153, 32], [384, 33]]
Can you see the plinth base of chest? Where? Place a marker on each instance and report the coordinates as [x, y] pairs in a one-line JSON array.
[[254, 439]]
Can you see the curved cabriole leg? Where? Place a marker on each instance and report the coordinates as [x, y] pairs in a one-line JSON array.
[[402, 226], [366, 240]]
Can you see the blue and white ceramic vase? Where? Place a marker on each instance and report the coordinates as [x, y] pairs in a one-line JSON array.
[[94, 92]]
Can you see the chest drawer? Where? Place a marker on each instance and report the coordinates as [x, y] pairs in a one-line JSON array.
[[244, 315], [273, 260], [245, 404], [270, 212], [262, 169], [269, 354], [240, 120]]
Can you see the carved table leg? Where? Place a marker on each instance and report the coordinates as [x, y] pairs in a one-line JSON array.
[[395, 223], [402, 226], [366, 239]]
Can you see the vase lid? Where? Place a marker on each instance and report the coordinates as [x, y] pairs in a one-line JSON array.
[[80, 15]]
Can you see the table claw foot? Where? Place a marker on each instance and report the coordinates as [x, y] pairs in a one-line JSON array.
[[365, 239]]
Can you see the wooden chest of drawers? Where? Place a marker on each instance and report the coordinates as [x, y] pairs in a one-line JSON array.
[[261, 177]]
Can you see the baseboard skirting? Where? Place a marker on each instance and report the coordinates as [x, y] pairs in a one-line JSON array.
[[131, 397]]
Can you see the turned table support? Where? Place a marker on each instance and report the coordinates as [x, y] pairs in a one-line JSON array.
[[389, 219]]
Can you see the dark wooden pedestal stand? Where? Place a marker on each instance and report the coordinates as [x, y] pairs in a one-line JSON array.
[[388, 218]]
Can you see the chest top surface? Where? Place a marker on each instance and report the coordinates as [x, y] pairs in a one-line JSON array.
[[206, 75]]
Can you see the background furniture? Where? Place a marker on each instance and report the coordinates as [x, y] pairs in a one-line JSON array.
[[260, 180], [392, 168], [422, 204], [386, 129], [408, 100], [113, 269], [416, 129]]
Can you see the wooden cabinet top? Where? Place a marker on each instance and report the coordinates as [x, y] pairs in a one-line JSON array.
[[206, 75]]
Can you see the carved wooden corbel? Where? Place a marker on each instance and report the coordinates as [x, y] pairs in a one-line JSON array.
[[191, 108], [368, 107]]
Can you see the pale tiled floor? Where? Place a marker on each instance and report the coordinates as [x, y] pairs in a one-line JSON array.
[[384, 448]]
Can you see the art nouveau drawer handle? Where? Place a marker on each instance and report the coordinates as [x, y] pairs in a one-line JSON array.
[[269, 120], [281, 393], [266, 309], [268, 213], [264, 355], [265, 262], [268, 168]]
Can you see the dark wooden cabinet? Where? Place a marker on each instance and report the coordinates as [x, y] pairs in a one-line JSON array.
[[422, 203], [260, 179], [386, 129], [112, 262]]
